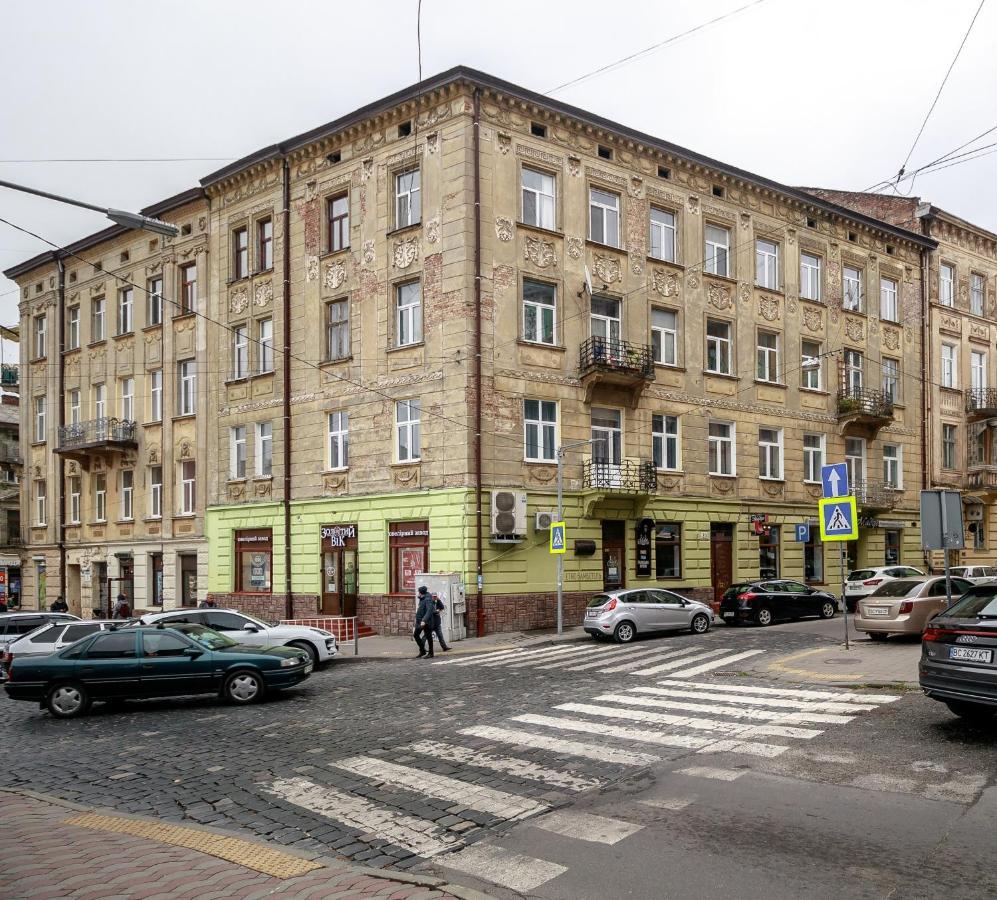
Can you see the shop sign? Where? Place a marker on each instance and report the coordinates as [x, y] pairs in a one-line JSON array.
[[419, 532], [867, 522], [253, 538], [258, 570], [338, 535], [10, 561], [644, 529]]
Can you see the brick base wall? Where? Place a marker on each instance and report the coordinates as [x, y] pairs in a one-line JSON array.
[[269, 607]]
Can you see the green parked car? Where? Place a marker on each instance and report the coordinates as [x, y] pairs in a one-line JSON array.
[[141, 662]]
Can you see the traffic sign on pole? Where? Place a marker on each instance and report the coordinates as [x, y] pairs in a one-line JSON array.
[[834, 479], [839, 519], [803, 532], [558, 539]]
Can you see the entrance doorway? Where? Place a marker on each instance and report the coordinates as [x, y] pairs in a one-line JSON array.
[[339, 570], [614, 545], [188, 579], [721, 558]]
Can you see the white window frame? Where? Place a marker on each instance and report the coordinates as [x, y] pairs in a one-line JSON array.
[[155, 492], [188, 487], [41, 414], [154, 301], [237, 452], [891, 377], [264, 449], [767, 357], [767, 264], [100, 497], [665, 336], [893, 466], [544, 314], [187, 387], [978, 370], [126, 310], [75, 413], [543, 427], [97, 323], [950, 366], [73, 328], [338, 442], [663, 243], [977, 293], [264, 331], [854, 369], [812, 366], [75, 493], [715, 450], [411, 427], [811, 276], [41, 502], [544, 198], [156, 395], [723, 347], [770, 455], [127, 480], [852, 278], [946, 284], [240, 351], [813, 457], [606, 214], [889, 299], [666, 441], [127, 386], [100, 401], [41, 337], [408, 198], [408, 314], [717, 252], [856, 478]]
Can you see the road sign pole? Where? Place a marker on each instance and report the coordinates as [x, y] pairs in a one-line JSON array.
[[844, 600], [560, 556], [945, 551]]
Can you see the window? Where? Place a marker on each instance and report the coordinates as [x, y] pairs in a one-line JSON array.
[[408, 545], [855, 461], [237, 452], [264, 343], [891, 378], [664, 336], [408, 205], [717, 255], [40, 403], [128, 399], [240, 253], [767, 264], [893, 466], [604, 323], [127, 494], [264, 245], [539, 312], [187, 387], [156, 395], [337, 210], [888, 308], [73, 328], [114, 645], [154, 301], [163, 644], [41, 502], [665, 441], [662, 234], [99, 401], [768, 552], [668, 550], [97, 319], [812, 369], [950, 373], [538, 199], [946, 284], [718, 347], [156, 492], [240, 352], [188, 487], [339, 440], [768, 356], [540, 427], [338, 329], [977, 294], [41, 336], [75, 490], [126, 307], [854, 371], [813, 558], [253, 571], [188, 288], [949, 437], [408, 314], [100, 497], [607, 437], [604, 217], [891, 547], [813, 457], [770, 453], [407, 426], [810, 280], [722, 453], [74, 406], [853, 288], [264, 449]]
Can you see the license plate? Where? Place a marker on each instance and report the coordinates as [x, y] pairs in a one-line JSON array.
[[877, 610], [591, 614], [308, 667], [728, 615], [971, 654]]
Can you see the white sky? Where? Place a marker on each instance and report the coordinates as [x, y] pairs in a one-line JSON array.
[[815, 92]]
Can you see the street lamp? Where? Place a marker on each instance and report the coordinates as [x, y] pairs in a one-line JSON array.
[[560, 518], [118, 216]]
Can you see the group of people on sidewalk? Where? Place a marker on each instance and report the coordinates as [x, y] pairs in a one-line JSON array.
[[428, 622]]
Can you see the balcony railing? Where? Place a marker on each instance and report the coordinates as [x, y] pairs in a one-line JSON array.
[[10, 375], [875, 495], [983, 479], [981, 403], [10, 452], [627, 477], [97, 433], [864, 406], [604, 354]]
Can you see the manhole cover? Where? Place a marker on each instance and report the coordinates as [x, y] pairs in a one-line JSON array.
[[725, 674], [841, 662]]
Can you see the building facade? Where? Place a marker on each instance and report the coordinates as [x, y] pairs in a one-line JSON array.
[[11, 467]]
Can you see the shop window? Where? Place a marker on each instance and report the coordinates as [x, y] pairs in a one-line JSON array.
[[813, 559], [768, 552], [253, 559], [408, 543], [668, 550], [892, 554]]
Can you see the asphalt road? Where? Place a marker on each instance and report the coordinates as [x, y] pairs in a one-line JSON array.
[[584, 770]]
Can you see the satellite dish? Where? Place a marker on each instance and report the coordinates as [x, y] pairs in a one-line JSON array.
[[588, 281]]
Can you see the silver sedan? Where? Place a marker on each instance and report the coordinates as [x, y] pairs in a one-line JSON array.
[[625, 614]]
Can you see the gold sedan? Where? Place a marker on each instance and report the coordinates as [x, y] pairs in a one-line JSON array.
[[904, 606]]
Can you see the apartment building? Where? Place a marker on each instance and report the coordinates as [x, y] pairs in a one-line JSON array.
[[11, 467], [113, 386]]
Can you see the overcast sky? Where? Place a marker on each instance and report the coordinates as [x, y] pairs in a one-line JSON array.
[[816, 92]]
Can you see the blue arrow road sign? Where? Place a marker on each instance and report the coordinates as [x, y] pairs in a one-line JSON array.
[[835, 479], [803, 533]]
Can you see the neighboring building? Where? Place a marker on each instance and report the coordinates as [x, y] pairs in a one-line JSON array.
[[959, 333], [113, 415], [11, 465]]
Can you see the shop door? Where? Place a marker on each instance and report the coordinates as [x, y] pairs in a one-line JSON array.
[[721, 558], [188, 579], [613, 555], [126, 584], [339, 570]]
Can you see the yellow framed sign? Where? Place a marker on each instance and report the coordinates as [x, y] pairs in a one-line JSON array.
[[839, 520], [558, 537]]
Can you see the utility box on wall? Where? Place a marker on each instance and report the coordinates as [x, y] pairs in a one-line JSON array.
[[451, 590]]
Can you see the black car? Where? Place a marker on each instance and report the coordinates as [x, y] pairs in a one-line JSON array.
[[765, 602], [959, 655]]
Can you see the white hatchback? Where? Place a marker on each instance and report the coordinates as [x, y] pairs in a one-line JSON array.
[[862, 582], [976, 574]]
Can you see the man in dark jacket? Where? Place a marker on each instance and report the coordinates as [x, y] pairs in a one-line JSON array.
[[424, 623], [59, 605]]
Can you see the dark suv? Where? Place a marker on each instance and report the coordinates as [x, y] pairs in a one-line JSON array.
[[765, 602]]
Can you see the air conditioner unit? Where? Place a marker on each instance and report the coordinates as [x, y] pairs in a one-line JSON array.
[[508, 514], [543, 520]]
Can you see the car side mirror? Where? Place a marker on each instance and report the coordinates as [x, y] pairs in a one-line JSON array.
[[192, 652], [249, 626]]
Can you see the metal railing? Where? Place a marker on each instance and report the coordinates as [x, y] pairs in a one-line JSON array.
[[982, 479], [865, 402], [97, 431], [979, 399], [875, 494], [10, 452], [10, 375], [627, 477], [616, 356], [345, 628]]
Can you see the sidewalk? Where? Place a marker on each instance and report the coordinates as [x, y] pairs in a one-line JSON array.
[[382, 646], [53, 850]]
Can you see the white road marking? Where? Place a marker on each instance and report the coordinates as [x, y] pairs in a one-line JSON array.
[[716, 664], [658, 654], [707, 772], [510, 765], [569, 748], [681, 741], [552, 656], [730, 728], [779, 702], [844, 696], [528, 656], [407, 832], [734, 712], [678, 663], [628, 653], [589, 651], [675, 805], [586, 827], [477, 658], [515, 871], [461, 793]]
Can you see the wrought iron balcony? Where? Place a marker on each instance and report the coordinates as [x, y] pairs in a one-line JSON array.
[[981, 403], [861, 406], [615, 363], [875, 495], [97, 435], [10, 375], [630, 476]]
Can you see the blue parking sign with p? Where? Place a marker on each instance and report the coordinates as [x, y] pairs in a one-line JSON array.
[[803, 533]]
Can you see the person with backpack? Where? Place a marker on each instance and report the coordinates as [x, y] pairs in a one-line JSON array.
[[122, 609]]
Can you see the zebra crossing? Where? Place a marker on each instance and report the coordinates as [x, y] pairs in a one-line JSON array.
[[435, 798]]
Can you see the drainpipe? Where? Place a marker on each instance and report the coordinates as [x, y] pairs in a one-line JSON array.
[[286, 215], [477, 361], [61, 468], [926, 373]]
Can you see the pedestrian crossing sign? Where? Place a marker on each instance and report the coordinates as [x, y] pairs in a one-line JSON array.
[[557, 537], [839, 519]]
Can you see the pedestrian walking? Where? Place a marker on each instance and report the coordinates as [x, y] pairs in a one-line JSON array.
[[59, 605], [121, 608], [438, 608], [206, 603], [423, 632]]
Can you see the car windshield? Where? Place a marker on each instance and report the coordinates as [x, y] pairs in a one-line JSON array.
[[736, 589], [206, 637], [900, 588], [861, 574], [599, 600], [975, 604]]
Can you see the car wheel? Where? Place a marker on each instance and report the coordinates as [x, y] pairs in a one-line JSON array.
[[700, 623], [763, 616], [308, 648], [65, 701], [877, 636], [243, 687], [625, 632], [971, 712], [827, 609]]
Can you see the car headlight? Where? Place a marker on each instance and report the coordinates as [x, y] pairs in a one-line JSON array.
[[289, 661], [322, 632]]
